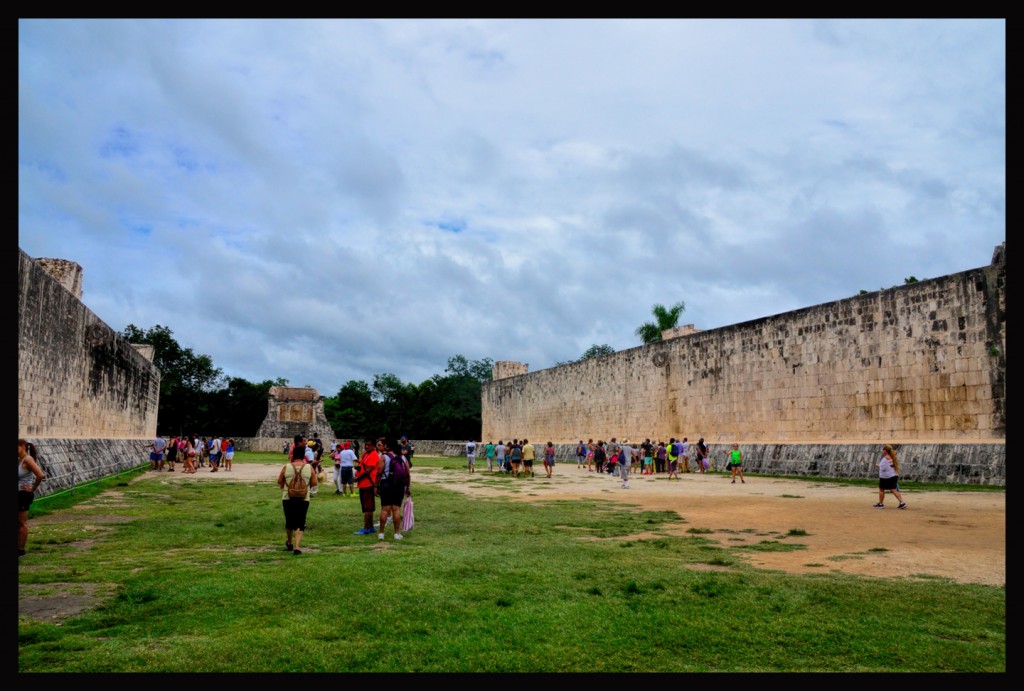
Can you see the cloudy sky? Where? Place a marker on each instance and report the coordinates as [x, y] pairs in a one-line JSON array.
[[328, 200]]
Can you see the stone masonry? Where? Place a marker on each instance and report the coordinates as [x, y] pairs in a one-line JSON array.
[[82, 389], [292, 411], [917, 363]]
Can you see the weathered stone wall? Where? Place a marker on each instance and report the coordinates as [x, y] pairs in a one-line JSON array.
[[917, 363], [77, 378]]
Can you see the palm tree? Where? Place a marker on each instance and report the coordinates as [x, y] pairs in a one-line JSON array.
[[665, 319]]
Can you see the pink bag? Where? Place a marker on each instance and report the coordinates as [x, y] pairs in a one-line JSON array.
[[408, 521]]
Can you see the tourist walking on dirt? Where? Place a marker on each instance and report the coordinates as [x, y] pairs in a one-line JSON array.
[[188, 454], [684, 454], [581, 455], [295, 480], [489, 454], [29, 477], [736, 463], [515, 455], [499, 456], [471, 456], [549, 458], [600, 456], [590, 455], [889, 478], [366, 482]]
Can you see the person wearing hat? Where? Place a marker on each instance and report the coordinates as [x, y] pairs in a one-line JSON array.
[[406, 448], [346, 464]]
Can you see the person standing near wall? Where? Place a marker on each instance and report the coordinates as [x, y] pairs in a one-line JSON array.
[[684, 454], [215, 453], [229, 453], [889, 478], [702, 451], [590, 455], [581, 455], [489, 454], [188, 454], [515, 455], [735, 463], [29, 477], [172, 454], [156, 454], [529, 455], [600, 456], [549, 459], [499, 456], [625, 460], [471, 456]]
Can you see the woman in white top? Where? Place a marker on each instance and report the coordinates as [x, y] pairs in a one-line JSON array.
[[29, 477], [889, 478]]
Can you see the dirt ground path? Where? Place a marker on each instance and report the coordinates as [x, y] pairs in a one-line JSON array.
[[955, 535]]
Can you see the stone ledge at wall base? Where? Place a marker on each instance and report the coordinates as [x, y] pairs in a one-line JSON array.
[[69, 463], [954, 463]]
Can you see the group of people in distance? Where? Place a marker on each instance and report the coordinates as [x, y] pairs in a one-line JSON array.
[[516, 458], [192, 451], [381, 471]]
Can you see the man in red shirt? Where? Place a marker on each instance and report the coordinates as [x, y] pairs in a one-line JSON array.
[[366, 482]]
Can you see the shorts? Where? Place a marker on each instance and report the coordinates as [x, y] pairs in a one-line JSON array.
[[470, 460], [550, 462], [528, 464], [392, 496], [367, 499], [154, 456], [889, 482], [25, 499], [229, 456], [346, 474], [295, 509], [648, 460], [735, 465]]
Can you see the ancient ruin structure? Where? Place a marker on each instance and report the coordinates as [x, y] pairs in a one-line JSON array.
[[292, 411], [920, 364]]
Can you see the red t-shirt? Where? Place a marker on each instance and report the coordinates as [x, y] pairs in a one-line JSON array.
[[368, 464]]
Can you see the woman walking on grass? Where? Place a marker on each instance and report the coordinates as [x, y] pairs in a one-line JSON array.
[[295, 508], [889, 478]]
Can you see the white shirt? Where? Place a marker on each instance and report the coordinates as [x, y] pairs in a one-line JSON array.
[[348, 458], [471, 449]]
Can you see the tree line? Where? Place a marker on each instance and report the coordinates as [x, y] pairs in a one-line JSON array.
[[196, 397]]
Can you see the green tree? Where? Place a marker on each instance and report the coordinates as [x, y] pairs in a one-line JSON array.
[[186, 381], [597, 351], [664, 319]]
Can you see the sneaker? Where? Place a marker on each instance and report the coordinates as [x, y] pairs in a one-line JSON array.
[[902, 505], [298, 551], [380, 536], [363, 531], [879, 506], [288, 546], [398, 536]]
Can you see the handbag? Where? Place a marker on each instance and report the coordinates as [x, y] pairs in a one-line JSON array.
[[408, 521]]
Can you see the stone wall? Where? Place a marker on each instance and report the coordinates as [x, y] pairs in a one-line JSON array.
[[87, 398], [77, 378], [918, 363]]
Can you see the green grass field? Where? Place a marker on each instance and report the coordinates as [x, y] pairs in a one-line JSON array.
[[193, 577]]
